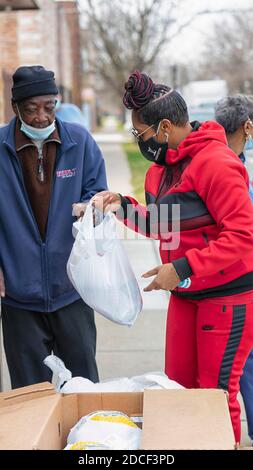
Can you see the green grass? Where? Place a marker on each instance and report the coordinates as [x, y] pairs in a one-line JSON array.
[[138, 166], [120, 126]]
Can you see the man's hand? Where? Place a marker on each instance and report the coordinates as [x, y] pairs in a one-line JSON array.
[[166, 278], [79, 208], [104, 201], [2, 285], [107, 201]]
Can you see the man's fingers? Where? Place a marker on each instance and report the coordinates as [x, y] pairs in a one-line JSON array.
[[101, 194], [98, 198], [78, 209], [101, 202], [150, 273]]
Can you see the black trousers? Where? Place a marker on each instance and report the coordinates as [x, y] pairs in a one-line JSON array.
[[30, 336]]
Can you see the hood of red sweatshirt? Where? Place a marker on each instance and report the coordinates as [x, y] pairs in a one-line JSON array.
[[198, 139]]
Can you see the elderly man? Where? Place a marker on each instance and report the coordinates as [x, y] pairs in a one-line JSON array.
[[46, 165]]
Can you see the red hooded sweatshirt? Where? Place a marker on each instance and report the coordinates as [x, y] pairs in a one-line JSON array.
[[213, 245]]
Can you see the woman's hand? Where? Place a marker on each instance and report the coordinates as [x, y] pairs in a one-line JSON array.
[[107, 201], [166, 278]]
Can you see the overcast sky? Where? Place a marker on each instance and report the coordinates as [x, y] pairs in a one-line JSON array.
[[189, 45]]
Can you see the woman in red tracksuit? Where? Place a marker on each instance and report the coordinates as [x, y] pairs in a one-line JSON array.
[[210, 324]]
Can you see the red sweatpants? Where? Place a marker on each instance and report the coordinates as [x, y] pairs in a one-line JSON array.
[[207, 344]]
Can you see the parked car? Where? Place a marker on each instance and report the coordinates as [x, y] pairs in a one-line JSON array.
[[201, 113], [71, 113]]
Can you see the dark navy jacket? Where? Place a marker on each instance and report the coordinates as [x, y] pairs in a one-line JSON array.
[[35, 272]]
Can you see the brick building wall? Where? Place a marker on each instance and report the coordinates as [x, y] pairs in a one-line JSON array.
[[64, 56], [69, 9], [49, 37], [37, 36], [8, 56]]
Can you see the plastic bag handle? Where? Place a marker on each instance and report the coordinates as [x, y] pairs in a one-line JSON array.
[[84, 228]]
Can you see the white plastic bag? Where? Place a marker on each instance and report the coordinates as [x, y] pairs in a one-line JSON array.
[[99, 269], [155, 380], [61, 374], [111, 428], [87, 445], [82, 385], [63, 381]]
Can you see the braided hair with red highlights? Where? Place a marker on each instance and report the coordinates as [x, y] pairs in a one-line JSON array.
[[140, 89], [154, 102]]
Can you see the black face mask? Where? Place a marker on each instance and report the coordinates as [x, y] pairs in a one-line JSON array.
[[153, 151]]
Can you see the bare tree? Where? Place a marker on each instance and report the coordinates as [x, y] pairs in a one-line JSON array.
[[229, 53], [129, 35]]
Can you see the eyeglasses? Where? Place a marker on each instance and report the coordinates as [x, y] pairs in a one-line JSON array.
[[137, 134]]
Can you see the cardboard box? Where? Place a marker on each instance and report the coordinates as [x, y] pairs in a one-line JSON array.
[[36, 417]]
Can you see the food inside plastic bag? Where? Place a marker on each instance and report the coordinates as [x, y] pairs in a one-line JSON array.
[[100, 271], [80, 445], [111, 428]]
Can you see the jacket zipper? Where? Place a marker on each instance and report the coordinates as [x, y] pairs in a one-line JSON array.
[[45, 276], [44, 244], [41, 174], [51, 198]]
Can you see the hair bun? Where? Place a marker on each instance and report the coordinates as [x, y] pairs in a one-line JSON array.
[[139, 90]]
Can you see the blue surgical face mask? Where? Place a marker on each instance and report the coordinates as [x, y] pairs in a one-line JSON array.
[[248, 145], [33, 132], [249, 140]]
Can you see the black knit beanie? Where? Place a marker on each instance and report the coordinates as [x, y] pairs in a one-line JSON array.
[[35, 80]]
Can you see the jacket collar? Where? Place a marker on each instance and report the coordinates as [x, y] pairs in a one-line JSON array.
[[22, 141], [67, 142]]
